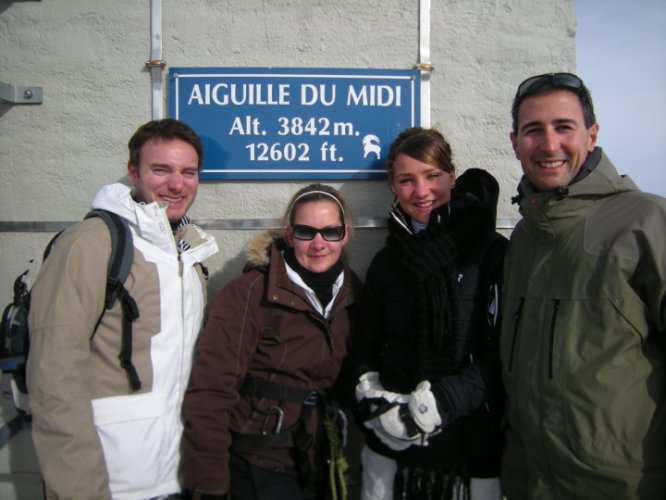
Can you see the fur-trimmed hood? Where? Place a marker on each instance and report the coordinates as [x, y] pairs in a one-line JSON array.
[[258, 250]]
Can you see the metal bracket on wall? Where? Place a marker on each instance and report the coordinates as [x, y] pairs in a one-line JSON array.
[[20, 95], [207, 224]]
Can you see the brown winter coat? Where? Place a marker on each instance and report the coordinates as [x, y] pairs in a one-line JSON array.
[[261, 325]]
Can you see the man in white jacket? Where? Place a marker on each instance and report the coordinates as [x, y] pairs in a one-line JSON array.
[[96, 434]]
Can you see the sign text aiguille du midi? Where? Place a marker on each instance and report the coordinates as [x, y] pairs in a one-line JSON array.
[[278, 123]]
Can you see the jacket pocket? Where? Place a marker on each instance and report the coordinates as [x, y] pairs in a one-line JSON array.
[[131, 431], [613, 409]]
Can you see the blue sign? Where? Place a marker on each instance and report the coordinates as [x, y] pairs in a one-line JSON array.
[[277, 123]]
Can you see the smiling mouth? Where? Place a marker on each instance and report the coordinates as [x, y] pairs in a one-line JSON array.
[[424, 204], [173, 200], [547, 164]]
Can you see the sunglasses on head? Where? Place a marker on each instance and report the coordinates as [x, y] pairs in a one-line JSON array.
[[565, 80], [307, 233]]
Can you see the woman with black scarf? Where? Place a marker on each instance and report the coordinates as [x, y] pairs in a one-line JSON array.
[[425, 350]]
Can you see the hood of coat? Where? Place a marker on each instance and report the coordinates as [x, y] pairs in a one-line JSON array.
[[117, 198], [478, 190], [549, 212], [259, 248], [149, 220], [601, 179]]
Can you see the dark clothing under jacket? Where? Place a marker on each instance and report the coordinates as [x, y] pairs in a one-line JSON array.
[[383, 342], [261, 325]]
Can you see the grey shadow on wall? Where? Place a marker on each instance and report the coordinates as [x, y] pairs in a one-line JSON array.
[[231, 269], [4, 107]]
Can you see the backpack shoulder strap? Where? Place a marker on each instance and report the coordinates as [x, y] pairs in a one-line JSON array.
[[120, 263], [122, 252]]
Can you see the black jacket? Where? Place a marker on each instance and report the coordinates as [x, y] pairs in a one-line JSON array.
[[383, 339]]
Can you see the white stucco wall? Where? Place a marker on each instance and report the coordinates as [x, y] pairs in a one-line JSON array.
[[88, 55]]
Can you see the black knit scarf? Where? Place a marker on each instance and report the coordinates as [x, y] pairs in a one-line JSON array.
[[427, 260]]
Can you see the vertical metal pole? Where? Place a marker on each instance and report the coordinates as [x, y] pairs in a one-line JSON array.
[[424, 65], [156, 64]]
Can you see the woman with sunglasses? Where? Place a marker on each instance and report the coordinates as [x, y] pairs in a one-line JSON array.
[[272, 348], [426, 349]]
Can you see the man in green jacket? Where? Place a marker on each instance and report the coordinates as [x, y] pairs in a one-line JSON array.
[[583, 343]]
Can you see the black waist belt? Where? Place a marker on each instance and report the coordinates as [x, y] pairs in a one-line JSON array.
[[259, 388], [249, 443], [296, 437]]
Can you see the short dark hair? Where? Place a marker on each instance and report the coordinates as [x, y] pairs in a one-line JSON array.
[[552, 82], [167, 129], [423, 144]]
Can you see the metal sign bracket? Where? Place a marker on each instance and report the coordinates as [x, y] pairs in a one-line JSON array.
[[16, 94]]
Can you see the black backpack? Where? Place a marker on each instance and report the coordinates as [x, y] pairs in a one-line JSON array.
[[14, 336]]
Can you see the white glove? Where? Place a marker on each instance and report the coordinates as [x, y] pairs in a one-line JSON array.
[[423, 408], [388, 426], [392, 442], [368, 387], [415, 417]]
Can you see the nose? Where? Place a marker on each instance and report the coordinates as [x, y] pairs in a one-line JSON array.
[[551, 142], [318, 241], [175, 181], [421, 188]]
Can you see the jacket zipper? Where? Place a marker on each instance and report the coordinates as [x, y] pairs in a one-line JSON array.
[[556, 307], [181, 266], [326, 323], [516, 322]]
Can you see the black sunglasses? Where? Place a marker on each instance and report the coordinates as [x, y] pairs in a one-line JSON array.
[[307, 233], [566, 80]]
